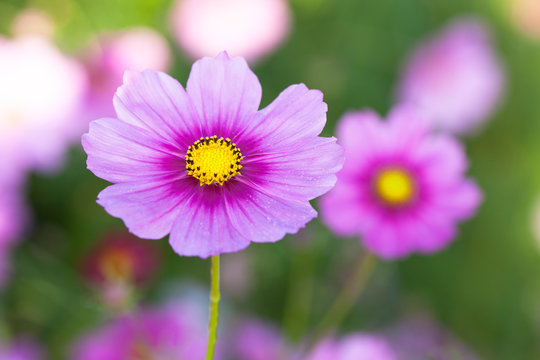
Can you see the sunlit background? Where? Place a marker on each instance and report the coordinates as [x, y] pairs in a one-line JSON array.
[[64, 261]]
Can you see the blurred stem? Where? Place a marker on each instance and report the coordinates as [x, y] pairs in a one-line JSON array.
[[214, 308], [299, 294], [347, 298]]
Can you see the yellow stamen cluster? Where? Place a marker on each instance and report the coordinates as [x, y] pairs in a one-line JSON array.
[[213, 160], [395, 187]]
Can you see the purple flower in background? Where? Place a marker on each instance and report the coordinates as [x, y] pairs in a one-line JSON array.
[[402, 188], [13, 216], [254, 340], [247, 28], [418, 336], [21, 349], [455, 77], [111, 55], [354, 347], [169, 332], [39, 93], [204, 165]]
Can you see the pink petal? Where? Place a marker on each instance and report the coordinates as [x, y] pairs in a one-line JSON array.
[[225, 92], [441, 157], [150, 206], [361, 133], [296, 113], [118, 152], [204, 228], [158, 103], [226, 219], [304, 172], [340, 208], [458, 201], [263, 216]]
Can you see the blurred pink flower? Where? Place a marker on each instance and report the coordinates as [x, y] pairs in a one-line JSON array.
[[13, 214], [170, 332], [111, 55], [40, 90], [13, 217], [418, 336], [121, 257], [255, 340], [117, 265], [455, 76], [247, 28], [354, 347], [20, 350], [526, 16], [402, 188]]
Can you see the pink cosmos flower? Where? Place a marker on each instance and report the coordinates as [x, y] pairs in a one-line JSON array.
[[248, 28], [204, 165], [135, 49], [167, 332], [402, 187], [39, 93], [455, 76], [354, 347]]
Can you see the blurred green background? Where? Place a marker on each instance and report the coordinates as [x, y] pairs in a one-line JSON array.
[[485, 287]]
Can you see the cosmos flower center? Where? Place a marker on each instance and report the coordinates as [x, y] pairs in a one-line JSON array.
[[140, 350], [213, 160], [394, 186], [116, 265]]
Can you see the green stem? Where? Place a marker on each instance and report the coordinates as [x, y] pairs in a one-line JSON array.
[[214, 308], [300, 292], [347, 298]]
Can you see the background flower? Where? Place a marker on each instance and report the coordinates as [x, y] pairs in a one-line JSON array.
[[21, 349], [110, 54], [354, 347], [167, 332], [525, 15], [455, 76], [402, 188], [39, 93], [247, 28], [255, 340], [418, 336]]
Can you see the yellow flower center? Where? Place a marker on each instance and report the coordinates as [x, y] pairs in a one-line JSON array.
[[394, 186], [211, 160]]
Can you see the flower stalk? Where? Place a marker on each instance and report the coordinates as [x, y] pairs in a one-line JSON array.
[[347, 298], [214, 308]]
